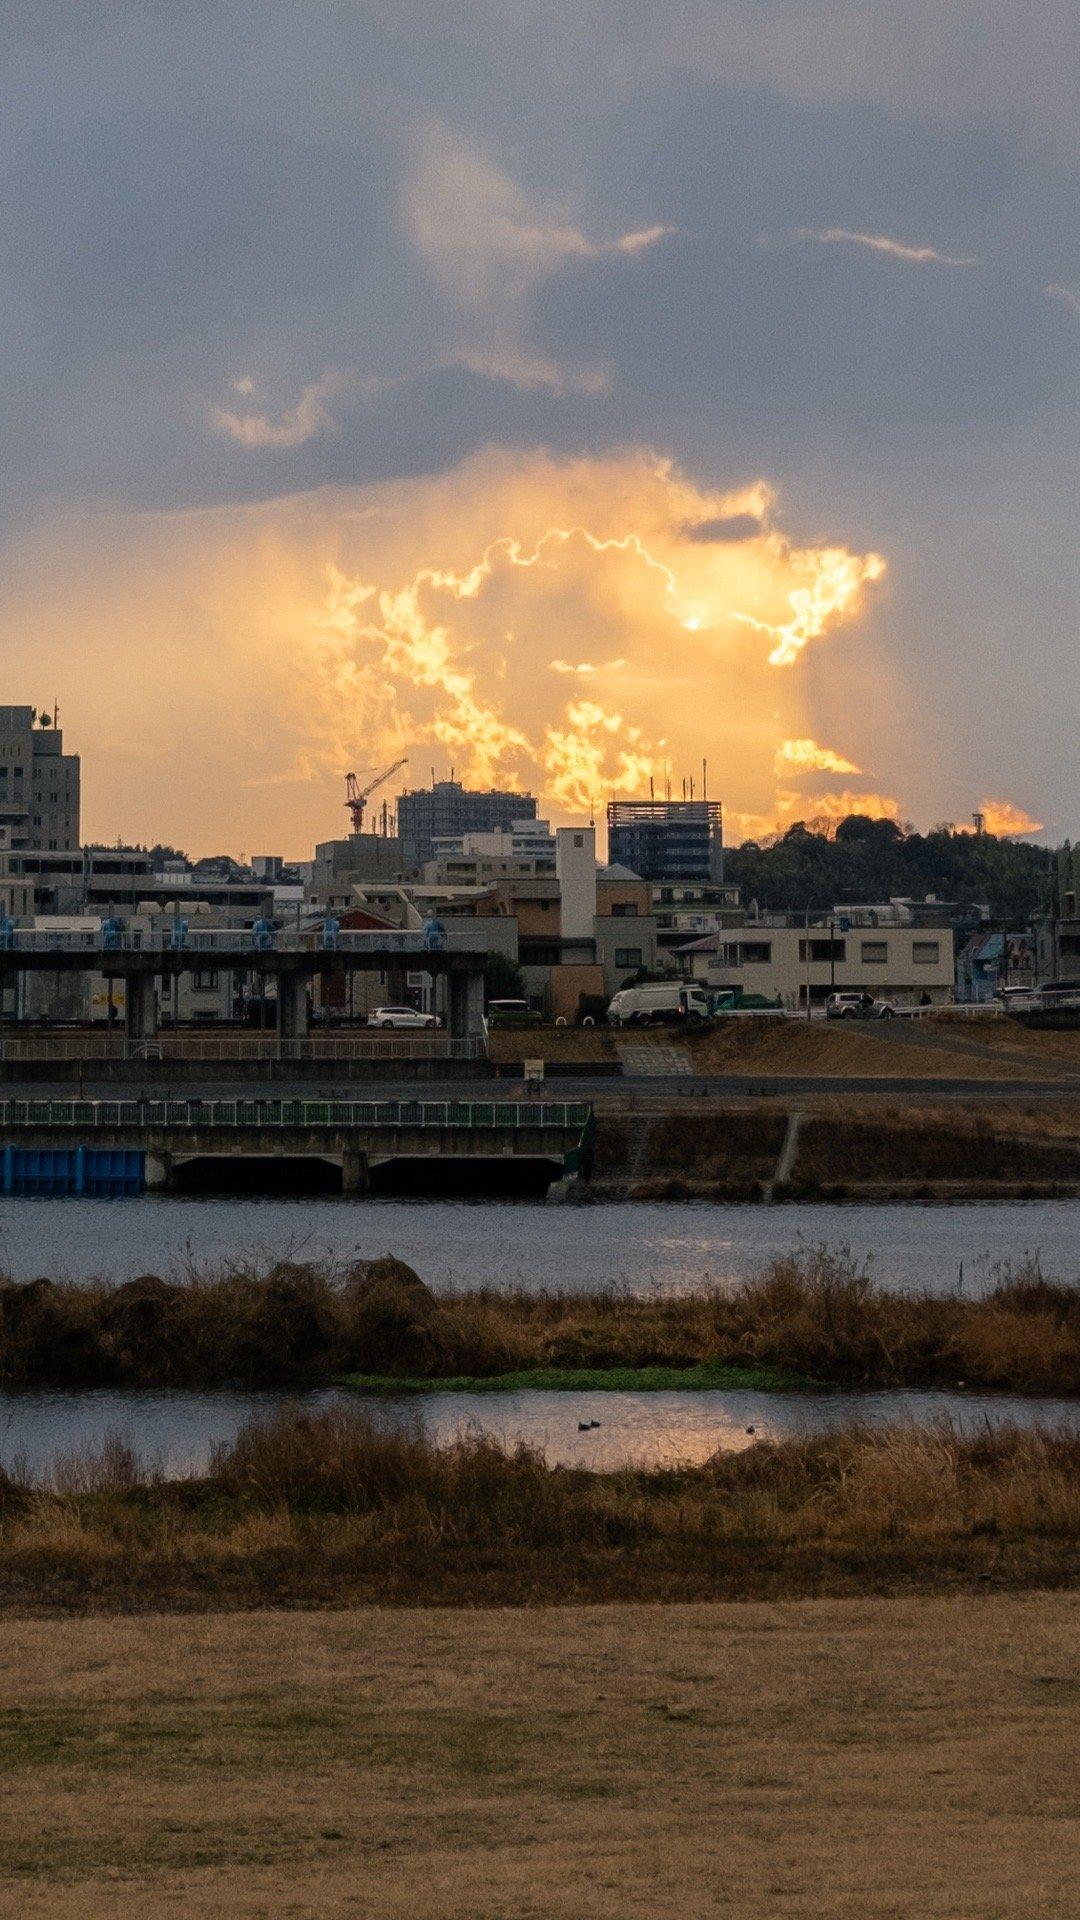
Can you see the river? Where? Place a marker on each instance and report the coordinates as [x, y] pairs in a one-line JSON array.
[[455, 1244], [175, 1431]]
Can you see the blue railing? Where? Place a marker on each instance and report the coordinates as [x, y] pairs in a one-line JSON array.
[[165, 940]]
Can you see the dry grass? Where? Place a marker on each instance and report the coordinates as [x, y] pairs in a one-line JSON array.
[[941, 1048], [914, 1147], [730, 1154], [815, 1314], [862, 1760], [330, 1509], [846, 1147]]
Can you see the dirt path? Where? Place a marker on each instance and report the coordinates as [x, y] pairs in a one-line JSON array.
[[864, 1759]]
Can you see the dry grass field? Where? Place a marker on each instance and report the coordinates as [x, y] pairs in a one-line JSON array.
[[936, 1048], [858, 1760]]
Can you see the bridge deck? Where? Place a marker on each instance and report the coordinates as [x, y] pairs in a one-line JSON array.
[[92, 1115]]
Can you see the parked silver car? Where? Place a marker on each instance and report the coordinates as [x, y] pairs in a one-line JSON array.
[[403, 1017]]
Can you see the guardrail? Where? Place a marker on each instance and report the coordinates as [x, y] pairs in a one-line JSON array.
[[112, 1114]]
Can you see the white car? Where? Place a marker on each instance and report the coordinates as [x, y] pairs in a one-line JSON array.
[[401, 1017]]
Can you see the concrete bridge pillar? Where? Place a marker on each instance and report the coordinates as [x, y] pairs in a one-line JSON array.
[[354, 1171], [292, 1006], [465, 1005], [141, 1005]]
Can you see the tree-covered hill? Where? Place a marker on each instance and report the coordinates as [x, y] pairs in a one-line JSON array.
[[875, 860]]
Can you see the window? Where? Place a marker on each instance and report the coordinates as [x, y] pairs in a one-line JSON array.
[[757, 953], [628, 956], [204, 980], [822, 950], [925, 953], [875, 953], [624, 910]]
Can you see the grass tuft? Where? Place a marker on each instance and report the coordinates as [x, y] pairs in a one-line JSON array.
[[335, 1508], [814, 1315]]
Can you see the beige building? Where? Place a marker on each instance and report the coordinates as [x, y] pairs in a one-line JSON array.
[[774, 957], [39, 782]]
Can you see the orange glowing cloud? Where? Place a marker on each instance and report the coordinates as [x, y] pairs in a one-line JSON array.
[[426, 658], [821, 812], [576, 628], [1003, 818], [806, 756]]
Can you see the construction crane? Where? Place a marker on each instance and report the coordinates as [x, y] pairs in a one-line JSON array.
[[357, 797]]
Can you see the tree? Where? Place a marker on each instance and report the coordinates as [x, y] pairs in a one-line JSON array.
[[867, 861], [502, 979]]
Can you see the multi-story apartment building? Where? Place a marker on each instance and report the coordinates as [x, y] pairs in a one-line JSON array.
[[39, 782], [797, 960], [103, 880], [667, 840], [524, 840], [448, 809]]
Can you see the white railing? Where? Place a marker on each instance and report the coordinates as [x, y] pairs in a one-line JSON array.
[[239, 1047]]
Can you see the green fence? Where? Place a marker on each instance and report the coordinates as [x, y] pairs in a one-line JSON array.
[[565, 1115]]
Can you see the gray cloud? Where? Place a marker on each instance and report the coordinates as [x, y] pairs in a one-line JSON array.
[[882, 243], [195, 196], [731, 527]]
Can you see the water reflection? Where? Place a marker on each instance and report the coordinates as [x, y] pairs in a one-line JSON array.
[[644, 1247], [176, 1431]]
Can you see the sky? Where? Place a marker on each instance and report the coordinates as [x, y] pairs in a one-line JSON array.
[[562, 395]]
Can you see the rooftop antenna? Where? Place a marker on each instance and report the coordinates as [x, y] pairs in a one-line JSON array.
[[652, 795], [704, 778]]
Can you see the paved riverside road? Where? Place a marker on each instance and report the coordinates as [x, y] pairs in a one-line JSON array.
[[607, 1092]]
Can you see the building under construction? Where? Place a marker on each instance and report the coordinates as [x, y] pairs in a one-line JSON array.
[[667, 839], [447, 808]]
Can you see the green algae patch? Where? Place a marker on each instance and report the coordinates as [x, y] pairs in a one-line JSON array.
[[701, 1379]]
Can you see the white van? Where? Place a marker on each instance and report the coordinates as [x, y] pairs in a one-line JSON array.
[[670, 1000]]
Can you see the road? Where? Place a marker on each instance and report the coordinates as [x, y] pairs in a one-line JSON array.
[[604, 1090]]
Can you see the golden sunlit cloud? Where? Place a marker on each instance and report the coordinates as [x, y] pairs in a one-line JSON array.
[[433, 634], [1003, 818], [833, 591], [585, 669], [820, 812], [808, 757], [299, 637]]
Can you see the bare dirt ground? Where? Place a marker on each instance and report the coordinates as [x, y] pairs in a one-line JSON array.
[[871, 1760]]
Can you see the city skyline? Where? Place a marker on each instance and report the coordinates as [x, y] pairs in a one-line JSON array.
[[548, 398]]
